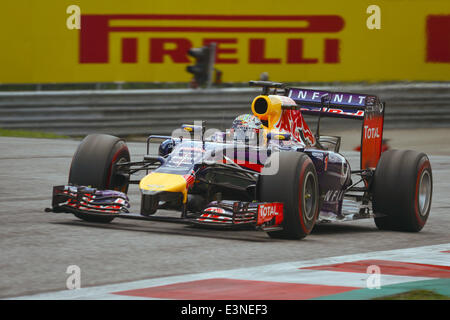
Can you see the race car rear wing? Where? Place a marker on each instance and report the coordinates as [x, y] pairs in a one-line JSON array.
[[329, 104], [367, 108]]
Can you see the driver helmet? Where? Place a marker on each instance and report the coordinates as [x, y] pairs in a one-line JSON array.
[[166, 147], [245, 127]]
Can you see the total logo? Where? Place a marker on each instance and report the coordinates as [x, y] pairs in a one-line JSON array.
[[370, 133], [268, 210]]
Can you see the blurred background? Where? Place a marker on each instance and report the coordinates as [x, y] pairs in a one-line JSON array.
[[139, 67]]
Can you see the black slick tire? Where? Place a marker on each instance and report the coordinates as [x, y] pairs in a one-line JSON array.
[[296, 185], [93, 164], [402, 190]]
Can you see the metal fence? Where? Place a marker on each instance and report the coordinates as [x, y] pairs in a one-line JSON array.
[[142, 112]]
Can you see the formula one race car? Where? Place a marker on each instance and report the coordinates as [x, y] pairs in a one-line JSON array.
[[269, 171]]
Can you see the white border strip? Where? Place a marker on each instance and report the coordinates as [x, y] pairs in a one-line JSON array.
[[281, 272]]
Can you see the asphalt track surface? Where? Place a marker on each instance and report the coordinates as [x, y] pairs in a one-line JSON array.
[[36, 248]]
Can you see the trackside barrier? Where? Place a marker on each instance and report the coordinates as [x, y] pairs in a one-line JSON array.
[[143, 112]]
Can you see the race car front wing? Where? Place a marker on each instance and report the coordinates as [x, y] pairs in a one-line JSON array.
[[81, 200]]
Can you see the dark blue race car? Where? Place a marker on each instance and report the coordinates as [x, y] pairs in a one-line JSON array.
[[269, 171]]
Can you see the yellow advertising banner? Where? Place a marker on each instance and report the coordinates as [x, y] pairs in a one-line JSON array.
[[57, 41]]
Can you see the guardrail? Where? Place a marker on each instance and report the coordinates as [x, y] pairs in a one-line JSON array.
[[143, 112]]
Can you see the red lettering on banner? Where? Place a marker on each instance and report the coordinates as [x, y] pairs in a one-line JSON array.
[[295, 52], [178, 54], [96, 29], [438, 38], [257, 51], [94, 40], [220, 50], [331, 54], [129, 50]]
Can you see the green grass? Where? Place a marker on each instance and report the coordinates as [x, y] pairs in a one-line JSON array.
[[416, 295], [30, 134]]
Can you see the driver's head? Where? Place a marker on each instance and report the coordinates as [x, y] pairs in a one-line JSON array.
[[245, 127]]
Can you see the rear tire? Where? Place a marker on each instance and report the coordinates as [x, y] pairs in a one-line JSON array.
[[296, 185], [402, 190], [93, 164]]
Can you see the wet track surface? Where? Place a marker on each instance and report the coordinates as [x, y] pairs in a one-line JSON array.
[[37, 247]]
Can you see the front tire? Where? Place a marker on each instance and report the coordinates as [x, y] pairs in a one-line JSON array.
[[296, 185], [402, 190], [93, 164]]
